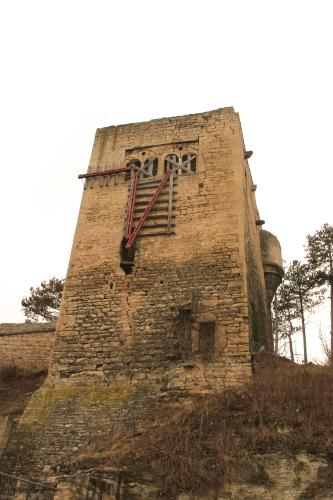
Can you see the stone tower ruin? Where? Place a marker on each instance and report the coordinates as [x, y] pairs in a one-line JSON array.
[[168, 290]]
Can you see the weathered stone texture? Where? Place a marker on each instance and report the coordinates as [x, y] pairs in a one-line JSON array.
[[58, 422], [258, 318], [26, 346], [278, 477], [4, 433], [120, 326], [146, 329]]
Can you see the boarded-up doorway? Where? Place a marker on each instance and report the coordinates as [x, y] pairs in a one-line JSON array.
[[207, 340]]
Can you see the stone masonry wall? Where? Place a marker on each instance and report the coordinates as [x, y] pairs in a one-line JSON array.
[[202, 263], [26, 345], [4, 433], [259, 337], [118, 330]]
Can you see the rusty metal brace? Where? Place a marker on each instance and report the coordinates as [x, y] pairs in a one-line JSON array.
[[148, 208]]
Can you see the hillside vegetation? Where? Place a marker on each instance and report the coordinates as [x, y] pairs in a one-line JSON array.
[[195, 446]]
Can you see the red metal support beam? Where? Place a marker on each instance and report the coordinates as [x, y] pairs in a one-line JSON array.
[[147, 209], [106, 172], [131, 204]]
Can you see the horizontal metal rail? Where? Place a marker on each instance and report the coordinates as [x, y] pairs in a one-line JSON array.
[[105, 172], [46, 486], [16, 487]]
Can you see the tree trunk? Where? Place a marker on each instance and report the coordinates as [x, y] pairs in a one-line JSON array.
[[331, 352], [331, 290], [276, 327], [291, 349], [303, 330]]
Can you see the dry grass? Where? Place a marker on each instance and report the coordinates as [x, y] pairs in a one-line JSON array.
[[288, 408]]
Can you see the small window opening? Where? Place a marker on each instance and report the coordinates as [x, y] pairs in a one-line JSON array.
[[207, 340], [126, 257], [168, 165], [128, 174], [189, 158], [192, 164], [151, 166]]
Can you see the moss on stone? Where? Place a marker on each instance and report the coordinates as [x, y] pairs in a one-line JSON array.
[[46, 404]]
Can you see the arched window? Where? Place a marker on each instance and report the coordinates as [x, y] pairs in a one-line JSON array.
[[128, 174], [170, 161], [186, 164], [190, 160], [150, 166]]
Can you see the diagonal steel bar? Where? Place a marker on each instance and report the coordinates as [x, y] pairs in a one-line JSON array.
[[131, 204], [150, 205], [188, 160], [177, 166], [141, 170], [172, 162]]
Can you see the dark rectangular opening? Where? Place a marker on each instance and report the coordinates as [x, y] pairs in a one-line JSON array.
[[207, 340], [126, 257]]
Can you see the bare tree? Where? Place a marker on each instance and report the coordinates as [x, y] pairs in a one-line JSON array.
[[325, 346], [285, 319], [297, 295], [319, 252]]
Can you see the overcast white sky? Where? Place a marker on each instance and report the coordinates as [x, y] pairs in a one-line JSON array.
[[69, 67]]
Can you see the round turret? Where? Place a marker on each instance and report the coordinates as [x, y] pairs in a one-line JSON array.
[[272, 262]]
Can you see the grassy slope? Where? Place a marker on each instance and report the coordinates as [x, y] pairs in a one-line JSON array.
[[195, 446]]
